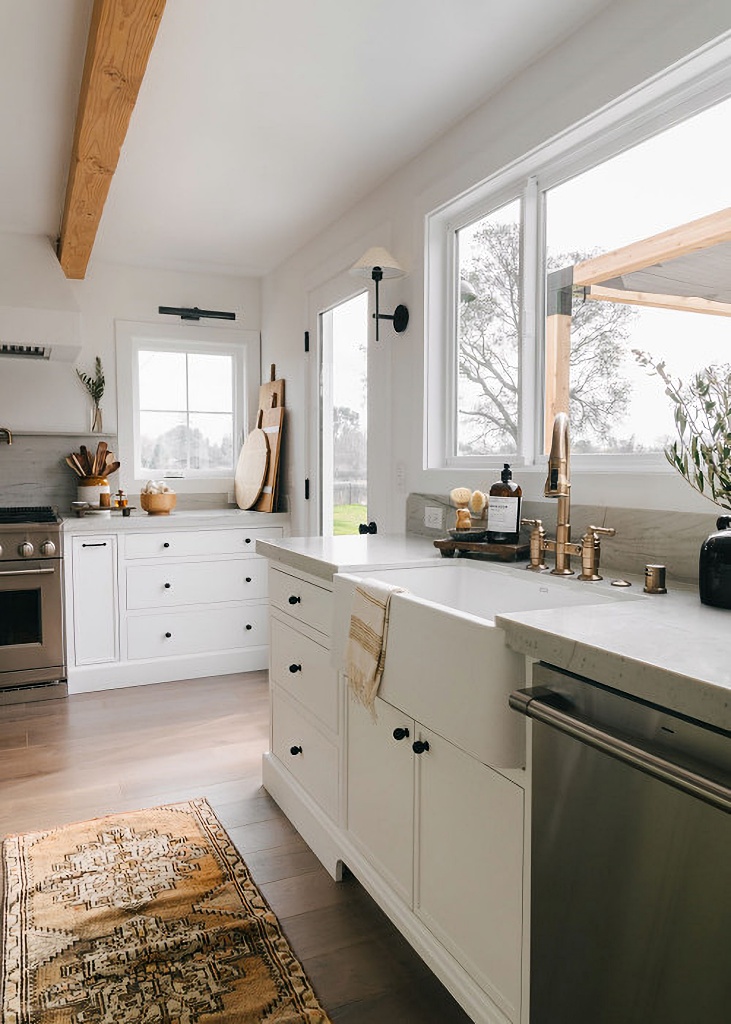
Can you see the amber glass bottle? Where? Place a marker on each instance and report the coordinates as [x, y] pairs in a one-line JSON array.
[[503, 509]]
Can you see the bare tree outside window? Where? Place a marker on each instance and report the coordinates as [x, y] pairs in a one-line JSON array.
[[489, 350]]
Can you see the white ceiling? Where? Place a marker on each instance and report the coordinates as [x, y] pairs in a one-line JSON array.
[[259, 121]]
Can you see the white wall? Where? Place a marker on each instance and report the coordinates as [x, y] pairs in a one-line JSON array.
[[627, 43], [47, 396]]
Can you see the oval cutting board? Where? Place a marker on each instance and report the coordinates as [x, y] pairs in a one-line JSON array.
[[251, 469]]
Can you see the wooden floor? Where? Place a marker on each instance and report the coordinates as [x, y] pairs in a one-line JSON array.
[[116, 750]]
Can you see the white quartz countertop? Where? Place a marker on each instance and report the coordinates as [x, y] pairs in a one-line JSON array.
[[668, 649], [324, 556], [194, 519]]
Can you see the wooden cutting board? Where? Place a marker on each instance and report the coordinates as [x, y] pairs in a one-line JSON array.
[[271, 393], [271, 422], [251, 469]]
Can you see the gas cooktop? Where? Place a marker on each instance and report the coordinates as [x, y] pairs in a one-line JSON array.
[[24, 514]]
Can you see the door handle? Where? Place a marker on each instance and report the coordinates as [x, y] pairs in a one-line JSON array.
[[26, 572]]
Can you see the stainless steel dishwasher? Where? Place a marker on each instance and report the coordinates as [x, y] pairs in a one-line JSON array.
[[630, 859]]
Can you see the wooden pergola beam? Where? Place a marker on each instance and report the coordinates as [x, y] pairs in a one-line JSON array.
[[698, 234], [684, 303], [121, 36]]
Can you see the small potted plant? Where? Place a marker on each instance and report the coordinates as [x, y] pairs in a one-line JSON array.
[[95, 389], [702, 455]]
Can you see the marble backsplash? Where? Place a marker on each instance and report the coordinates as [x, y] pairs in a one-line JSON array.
[[672, 539], [33, 472]]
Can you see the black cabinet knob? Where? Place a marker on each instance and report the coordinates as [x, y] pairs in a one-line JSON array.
[[248, 625], [400, 734], [295, 668], [247, 540], [419, 746], [295, 750], [166, 545], [293, 599], [248, 579], [167, 586], [168, 635]]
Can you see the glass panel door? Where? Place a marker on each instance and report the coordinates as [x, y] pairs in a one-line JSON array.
[[344, 334]]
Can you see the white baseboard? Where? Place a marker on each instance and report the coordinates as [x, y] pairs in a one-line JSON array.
[[113, 675]]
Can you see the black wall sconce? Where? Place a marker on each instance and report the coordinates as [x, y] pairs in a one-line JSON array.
[[376, 264], [195, 314]]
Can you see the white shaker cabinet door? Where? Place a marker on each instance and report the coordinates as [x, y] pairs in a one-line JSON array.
[[381, 791], [94, 569], [469, 889]]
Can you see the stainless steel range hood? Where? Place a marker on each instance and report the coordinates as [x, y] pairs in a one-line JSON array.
[[39, 317]]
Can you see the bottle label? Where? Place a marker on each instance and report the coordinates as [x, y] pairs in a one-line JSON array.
[[502, 515]]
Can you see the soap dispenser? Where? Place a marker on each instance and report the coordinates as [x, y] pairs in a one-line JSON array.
[[503, 509]]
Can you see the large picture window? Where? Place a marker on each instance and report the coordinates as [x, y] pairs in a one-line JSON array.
[[488, 256]]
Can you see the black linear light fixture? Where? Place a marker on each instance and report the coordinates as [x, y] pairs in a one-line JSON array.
[[195, 313], [378, 263]]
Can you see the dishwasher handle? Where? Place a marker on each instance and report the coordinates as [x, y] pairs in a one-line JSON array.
[[532, 704]]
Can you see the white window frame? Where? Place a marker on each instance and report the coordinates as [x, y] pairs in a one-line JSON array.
[[133, 337], [691, 86]]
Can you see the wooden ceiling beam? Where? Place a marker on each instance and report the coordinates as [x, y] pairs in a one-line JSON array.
[[698, 234], [121, 36]]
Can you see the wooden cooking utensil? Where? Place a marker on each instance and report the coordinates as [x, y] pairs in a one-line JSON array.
[[109, 468], [100, 457], [85, 460], [73, 462]]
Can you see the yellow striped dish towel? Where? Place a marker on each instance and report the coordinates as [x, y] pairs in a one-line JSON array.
[[366, 649]]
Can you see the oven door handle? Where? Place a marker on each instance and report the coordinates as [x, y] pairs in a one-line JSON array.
[[27, 572], [532, 705]]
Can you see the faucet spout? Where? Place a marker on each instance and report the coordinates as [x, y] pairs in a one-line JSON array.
[[8, 435], [558, 481]]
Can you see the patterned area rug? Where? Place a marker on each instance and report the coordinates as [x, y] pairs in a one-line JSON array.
[[143, 918]]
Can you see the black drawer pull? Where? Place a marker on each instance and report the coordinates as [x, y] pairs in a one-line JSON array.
[[295, 668], [167, 586], [247, 540], [248, 579], [166, 544], [419, 746], [168, 635], [293, 599], [100, 544], [295, 750], [400, 734], [248, 625]]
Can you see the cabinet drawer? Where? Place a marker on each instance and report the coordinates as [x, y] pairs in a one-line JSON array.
[[314, 762], [166, 544], [167, 634], [302, 667], [302, 600], [182, 583]]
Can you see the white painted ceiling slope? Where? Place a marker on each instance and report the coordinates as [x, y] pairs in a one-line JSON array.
[[258, 121]]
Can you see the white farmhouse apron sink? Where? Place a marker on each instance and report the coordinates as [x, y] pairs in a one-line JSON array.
[[447, 663]]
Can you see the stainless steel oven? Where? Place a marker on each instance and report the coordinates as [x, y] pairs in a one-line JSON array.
[[32, 662]]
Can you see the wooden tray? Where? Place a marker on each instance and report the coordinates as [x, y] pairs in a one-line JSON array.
[[483, 549]]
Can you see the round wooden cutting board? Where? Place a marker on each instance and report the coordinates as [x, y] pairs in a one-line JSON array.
[[251, 469]]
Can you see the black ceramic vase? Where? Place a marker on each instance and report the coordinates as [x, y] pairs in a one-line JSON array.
[[714, 569]]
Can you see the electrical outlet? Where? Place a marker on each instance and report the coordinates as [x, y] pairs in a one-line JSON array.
[[434, 517]]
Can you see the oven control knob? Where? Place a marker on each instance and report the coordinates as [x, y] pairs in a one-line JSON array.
[[25, 550], [48, 548]]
